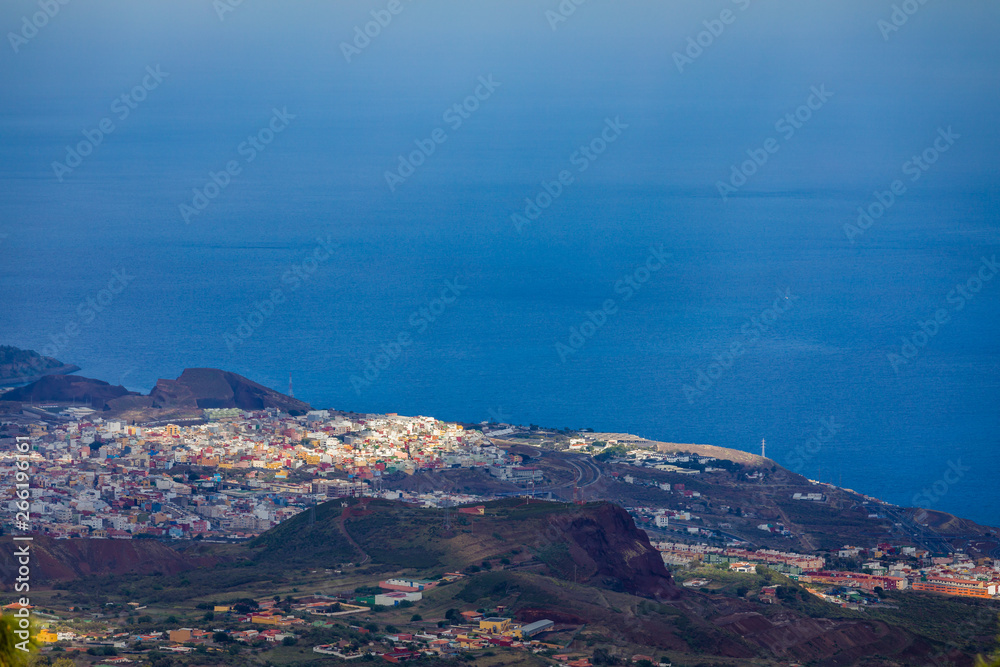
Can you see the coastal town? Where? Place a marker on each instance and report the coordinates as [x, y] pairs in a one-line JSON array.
[[105, 479], [240, 473], [236, 474]]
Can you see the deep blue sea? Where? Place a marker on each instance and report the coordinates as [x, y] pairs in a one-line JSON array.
[[605, 307]]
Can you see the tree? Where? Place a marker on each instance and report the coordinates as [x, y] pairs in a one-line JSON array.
[[289, 641], [10, 654], [603, 657], [221, 638], [415, 618]]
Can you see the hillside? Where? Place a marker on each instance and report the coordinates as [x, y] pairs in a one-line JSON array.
[[68, 389], [595, 544], [585, 566], [200, 388], [66, 560]]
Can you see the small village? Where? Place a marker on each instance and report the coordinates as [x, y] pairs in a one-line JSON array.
[[256, 625]]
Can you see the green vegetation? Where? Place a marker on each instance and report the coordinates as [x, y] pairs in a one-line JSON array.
[[963, 622], [789, 593], [496, 586], [611, 452]]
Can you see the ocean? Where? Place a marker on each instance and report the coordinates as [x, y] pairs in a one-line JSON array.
[[485, 212]]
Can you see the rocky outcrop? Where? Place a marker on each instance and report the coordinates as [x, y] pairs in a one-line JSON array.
[[605, 543], [19, 366], [201, 388]]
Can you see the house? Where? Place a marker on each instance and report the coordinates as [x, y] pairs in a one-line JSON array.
[[406, 585], [394, 598], [743, 567], [399, 656], [47, 636], [495, 625]]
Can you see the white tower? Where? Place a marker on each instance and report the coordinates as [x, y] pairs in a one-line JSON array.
[[762, 444]]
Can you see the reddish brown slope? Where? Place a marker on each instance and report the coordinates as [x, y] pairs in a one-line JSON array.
[[62, 560]]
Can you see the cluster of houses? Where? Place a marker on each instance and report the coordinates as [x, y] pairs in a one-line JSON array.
[[474, 631], [677, 553], [107, 479], [885, 567]]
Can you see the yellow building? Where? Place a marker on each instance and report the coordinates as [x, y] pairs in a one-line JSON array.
[[265, 619], [47, 636], [495, 625]]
